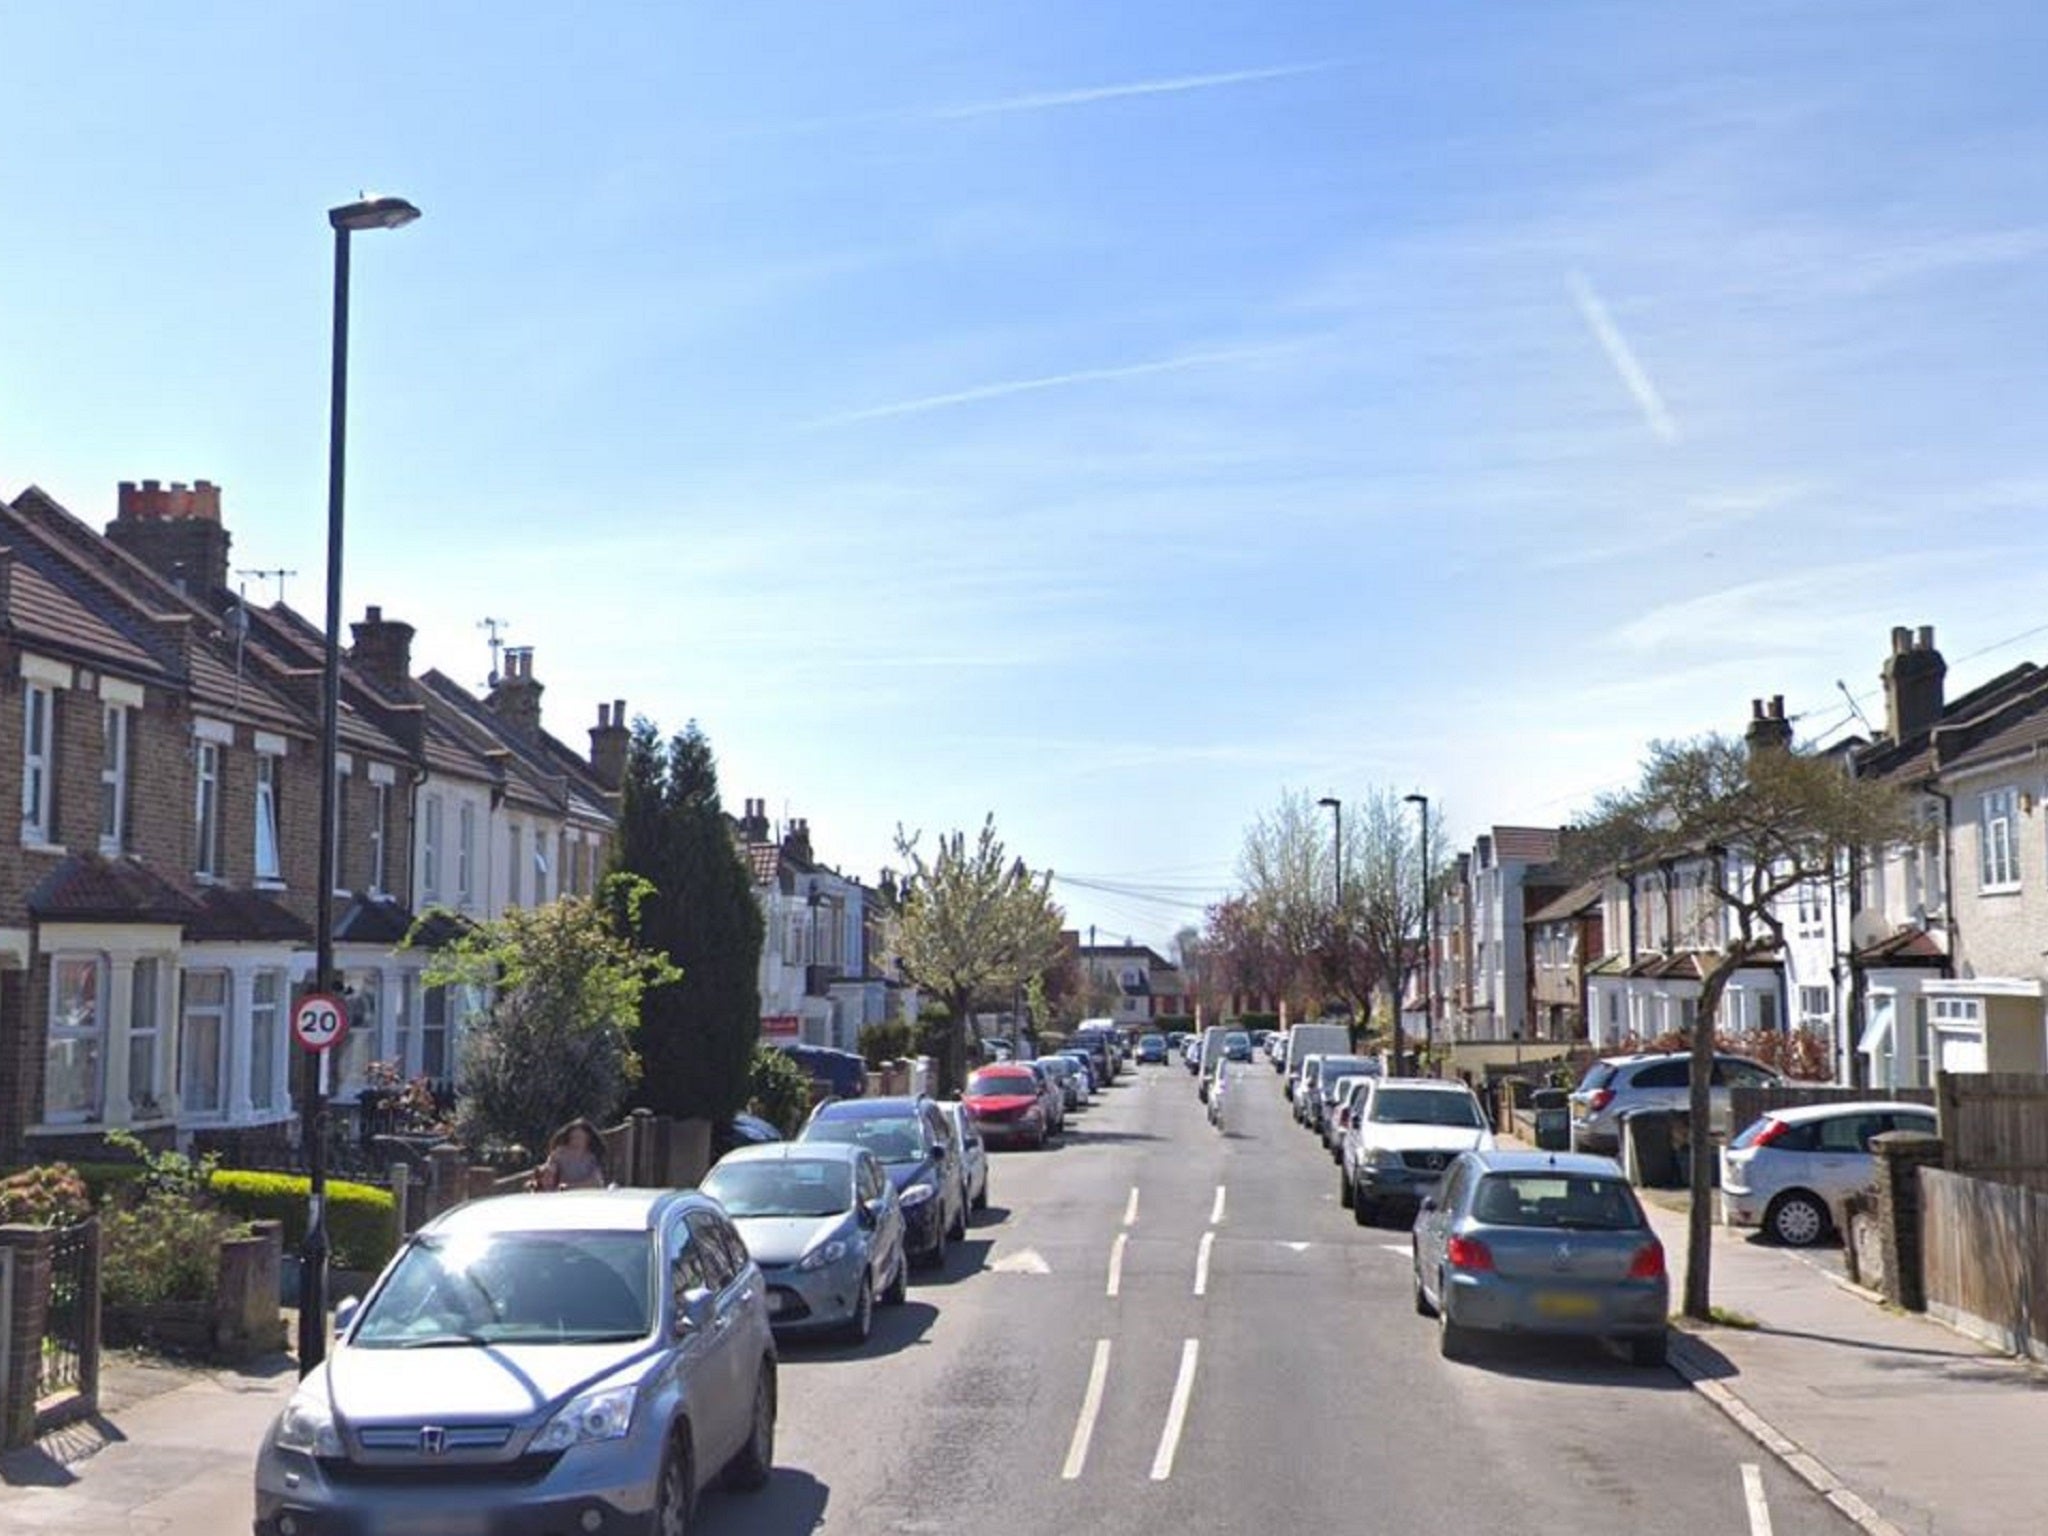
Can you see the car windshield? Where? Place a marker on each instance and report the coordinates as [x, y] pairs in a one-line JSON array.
[[513, 1288], [783, 1187], [892, 1138], [1150, 1040], [1425, 1106], [1564, 1201], [1337, 1068], [1237, 1039]]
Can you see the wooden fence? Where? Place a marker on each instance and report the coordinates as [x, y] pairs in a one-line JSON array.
[[1994, 1125], [1984, 1247]]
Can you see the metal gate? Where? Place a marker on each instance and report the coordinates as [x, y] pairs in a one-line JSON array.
[[70, 1326]]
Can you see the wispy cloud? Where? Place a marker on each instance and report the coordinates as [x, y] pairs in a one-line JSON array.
[[1167, 85], [1634, 378], [1008, 387]]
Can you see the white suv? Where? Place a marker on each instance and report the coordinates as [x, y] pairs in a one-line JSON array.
[[1621, 1085], [1402, 1137]]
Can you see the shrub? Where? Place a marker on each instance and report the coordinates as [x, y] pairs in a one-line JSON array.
[[885, 1042], [779, 1090], [1258, 1021], [362, 1220], [164, 1248], [168, 1172], [47, 1195], [1167, 1023]]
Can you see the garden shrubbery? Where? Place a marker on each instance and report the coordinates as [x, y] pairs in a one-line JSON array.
[[362, 1220]]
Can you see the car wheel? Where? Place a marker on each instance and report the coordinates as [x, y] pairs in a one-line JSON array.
[[1649, 1351], [960, 1221], [749, 1471], [1453, 1340], [675, 1490], [1363, 1211], [1344, 1191], [935, 1257], [862, 1323], [1797, 1219], [899, 1283], [1424, 1307], [981, 1197]]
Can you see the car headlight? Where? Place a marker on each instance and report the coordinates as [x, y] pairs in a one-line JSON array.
[[602, 1415], [823, 1254], [917, 1194], [307, 1426], [1385, 1157]]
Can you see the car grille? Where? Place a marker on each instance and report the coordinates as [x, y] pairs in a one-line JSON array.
[[1427, 1162], [453, 1437], [432, 1472], [786, 1306]]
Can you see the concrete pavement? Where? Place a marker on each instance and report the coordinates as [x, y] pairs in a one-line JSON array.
[[1929, 1428]]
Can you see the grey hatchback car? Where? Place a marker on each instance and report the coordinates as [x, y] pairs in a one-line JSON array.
[[1540, 1242], [578, 1361]]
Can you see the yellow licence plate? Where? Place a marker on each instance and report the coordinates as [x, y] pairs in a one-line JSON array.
[[1565, 1304]]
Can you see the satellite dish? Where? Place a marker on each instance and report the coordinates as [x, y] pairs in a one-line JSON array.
[[1868, 928]]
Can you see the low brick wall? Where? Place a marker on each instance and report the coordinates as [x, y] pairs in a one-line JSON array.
[[1900, 1157]]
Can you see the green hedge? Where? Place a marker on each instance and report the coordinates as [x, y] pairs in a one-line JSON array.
[[362, 1220], [1167, 1023], [1258, 1021]]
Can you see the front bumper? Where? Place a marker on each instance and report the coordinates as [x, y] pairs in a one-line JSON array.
[[1377, 1183], [297, 1495], [801, 1301], [1619, 1309]]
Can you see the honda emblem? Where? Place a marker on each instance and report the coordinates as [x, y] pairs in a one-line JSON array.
[[433, 1440]]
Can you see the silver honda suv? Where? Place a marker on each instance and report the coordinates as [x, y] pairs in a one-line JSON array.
[[1621, 1085]]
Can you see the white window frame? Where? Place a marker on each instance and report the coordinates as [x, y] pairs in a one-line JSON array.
[[380, 816], [206, 807], [114, 728], [93, 1032], [266, 1037], [1816, 1003], [269, 872], [465, 854], [430, 848], [1998, 863], [146, 1027], [38, 760], [223, 1013], [514, 883]]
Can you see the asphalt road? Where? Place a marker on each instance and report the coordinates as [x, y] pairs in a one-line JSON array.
[[1159, 1328]]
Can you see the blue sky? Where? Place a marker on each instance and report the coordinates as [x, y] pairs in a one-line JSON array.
[[1108, 416]]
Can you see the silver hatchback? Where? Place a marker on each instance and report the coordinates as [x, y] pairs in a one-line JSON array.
[[583, 1361], [1540, 1242]]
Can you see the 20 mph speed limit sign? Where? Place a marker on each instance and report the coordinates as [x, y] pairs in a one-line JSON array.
[[319, 1020]]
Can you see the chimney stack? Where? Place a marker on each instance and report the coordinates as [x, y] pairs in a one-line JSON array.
[[608, 741], [382, 651], [516, 698], [1769, 730], [796, 842], [177, 533], [1914, 675], [754, 824]]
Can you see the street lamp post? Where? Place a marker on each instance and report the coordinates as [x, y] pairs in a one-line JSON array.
[[1428, 945], [1338, 925], [370, 213]]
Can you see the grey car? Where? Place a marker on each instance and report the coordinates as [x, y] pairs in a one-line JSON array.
[[1540, 1242], [531, 1363], [824, 1224]]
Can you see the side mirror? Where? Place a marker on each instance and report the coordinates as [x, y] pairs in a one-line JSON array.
[[938, 1151], [865, 1214], [345, 1311], [693, 1311], [1428, 1204]]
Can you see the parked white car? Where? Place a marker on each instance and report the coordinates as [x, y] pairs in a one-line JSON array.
[[973, 1154], [1793, 1170]]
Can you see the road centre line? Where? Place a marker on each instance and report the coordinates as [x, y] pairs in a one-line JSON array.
[[1753, 1495], [1202, 1263], [1131, 1208], [1176, 1412], [1216, 1210], [1091, 1408], [1116, 1263]]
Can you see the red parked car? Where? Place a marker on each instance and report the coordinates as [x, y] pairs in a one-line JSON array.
[[1007, 1102]]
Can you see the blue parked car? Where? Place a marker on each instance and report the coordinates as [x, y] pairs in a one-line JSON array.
[[915, 1143], [842, 1074]]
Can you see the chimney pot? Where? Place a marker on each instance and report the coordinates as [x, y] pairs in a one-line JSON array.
[[1756, 709], [1926, 642], [618, 711], [1777, 706], [151, 487], [374, 614], [1902, 639]]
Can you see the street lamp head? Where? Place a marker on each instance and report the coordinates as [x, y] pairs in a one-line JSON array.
[[373, 213], [1416, 799], [1330, 802]]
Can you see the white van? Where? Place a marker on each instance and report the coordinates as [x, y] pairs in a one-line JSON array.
[[1208, 1055], [1314, 1040]]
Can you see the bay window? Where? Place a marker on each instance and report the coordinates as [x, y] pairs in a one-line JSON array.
[[266, 1036], [145, 1028], [71, 1075], [202, 1043]]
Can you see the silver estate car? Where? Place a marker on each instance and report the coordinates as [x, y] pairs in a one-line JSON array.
[[823, 1222], [1540, 1242], [576, 1361]]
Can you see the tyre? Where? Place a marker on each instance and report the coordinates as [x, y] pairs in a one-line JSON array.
[[1344, 1194], [675, 1489], [935, 1256], [862, 1323], [898, 1288], [960, 1221], [1797, 1219], [981, 1199], [750, 1469], [1650, 1351], [1423, 1306], [1453, 1340], [1364, 1211]]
